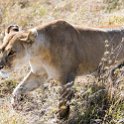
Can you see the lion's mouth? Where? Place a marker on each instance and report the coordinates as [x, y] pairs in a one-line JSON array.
[[5, 65]]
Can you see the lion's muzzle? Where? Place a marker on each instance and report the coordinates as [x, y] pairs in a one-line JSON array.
[[1, 67]]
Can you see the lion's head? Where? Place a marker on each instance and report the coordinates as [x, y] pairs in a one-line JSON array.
[[13, 48]]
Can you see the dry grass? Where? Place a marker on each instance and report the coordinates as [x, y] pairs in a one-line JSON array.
[[8, 116], [96, 100]]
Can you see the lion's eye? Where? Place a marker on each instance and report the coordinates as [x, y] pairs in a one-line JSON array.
[[11, 53]]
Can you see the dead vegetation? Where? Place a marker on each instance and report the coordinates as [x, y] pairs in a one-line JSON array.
[[98, 99]]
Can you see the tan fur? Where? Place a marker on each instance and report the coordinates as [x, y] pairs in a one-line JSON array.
[[62, 50], [10, 29]]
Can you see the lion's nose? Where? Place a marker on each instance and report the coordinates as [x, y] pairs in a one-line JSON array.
[[1, 66], [2, 63]]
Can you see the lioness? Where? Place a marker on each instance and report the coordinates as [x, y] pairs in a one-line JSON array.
[[59, 48]]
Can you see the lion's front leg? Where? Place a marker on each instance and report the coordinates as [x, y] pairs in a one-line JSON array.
[[29, 83], [66, 95]]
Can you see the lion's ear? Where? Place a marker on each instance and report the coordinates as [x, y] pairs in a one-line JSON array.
[[30, 36], [12, 28], [8, 30]]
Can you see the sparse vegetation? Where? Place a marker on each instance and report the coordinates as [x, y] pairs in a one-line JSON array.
[[6, 87], [8, 116], [98, 99]]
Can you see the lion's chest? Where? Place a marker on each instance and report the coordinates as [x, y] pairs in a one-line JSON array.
[[38, 67]]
